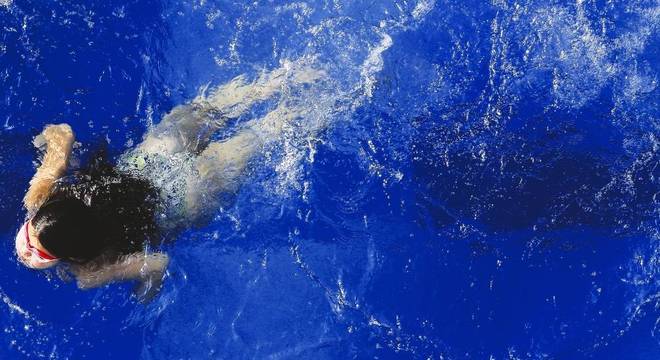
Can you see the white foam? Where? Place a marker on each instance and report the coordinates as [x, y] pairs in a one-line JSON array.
[[355, 79], [579, 56], [423, 8], [13, 307], [374, 64]]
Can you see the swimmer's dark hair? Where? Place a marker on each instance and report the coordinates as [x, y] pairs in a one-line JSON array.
[[97, 211], [68, 229]]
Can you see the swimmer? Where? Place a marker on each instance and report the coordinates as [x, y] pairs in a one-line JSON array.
[[100, 222]]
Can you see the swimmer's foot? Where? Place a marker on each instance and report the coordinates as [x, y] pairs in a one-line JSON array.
[[236, 97], [307, 75]]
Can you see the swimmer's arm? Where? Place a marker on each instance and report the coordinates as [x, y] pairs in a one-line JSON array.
[[59, 141], [137, 266]]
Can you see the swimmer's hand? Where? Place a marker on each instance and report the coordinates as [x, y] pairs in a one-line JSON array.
[[55, 137], [152, 274]]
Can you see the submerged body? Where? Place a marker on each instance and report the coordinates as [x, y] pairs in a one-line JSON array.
[[168, 182]]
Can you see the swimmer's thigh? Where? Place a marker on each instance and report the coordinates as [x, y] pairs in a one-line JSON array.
[[163, 138], [219, 170]]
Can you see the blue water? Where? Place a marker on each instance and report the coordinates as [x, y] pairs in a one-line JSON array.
[[486, 187]]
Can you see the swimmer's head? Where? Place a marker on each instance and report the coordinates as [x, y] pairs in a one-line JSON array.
[[30, 251], [97, 210], [68, 230]]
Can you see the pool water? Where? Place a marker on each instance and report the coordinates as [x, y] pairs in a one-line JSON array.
[[483, 185]]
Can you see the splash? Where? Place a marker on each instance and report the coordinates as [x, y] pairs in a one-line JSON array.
[[422, 9], [169, 152], [15, 308], [374, 64]]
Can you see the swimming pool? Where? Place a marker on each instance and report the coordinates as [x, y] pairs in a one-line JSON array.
[[486, 186]]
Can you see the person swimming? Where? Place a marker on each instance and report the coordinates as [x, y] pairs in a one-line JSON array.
[[101, 221]]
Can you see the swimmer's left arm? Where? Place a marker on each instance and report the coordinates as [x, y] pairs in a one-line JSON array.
[[137, 266], [58, 140]]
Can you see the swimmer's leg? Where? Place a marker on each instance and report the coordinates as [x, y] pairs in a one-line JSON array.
[[185, 128], [238, 96], [219, 168], [190, 127], [221, 165]]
